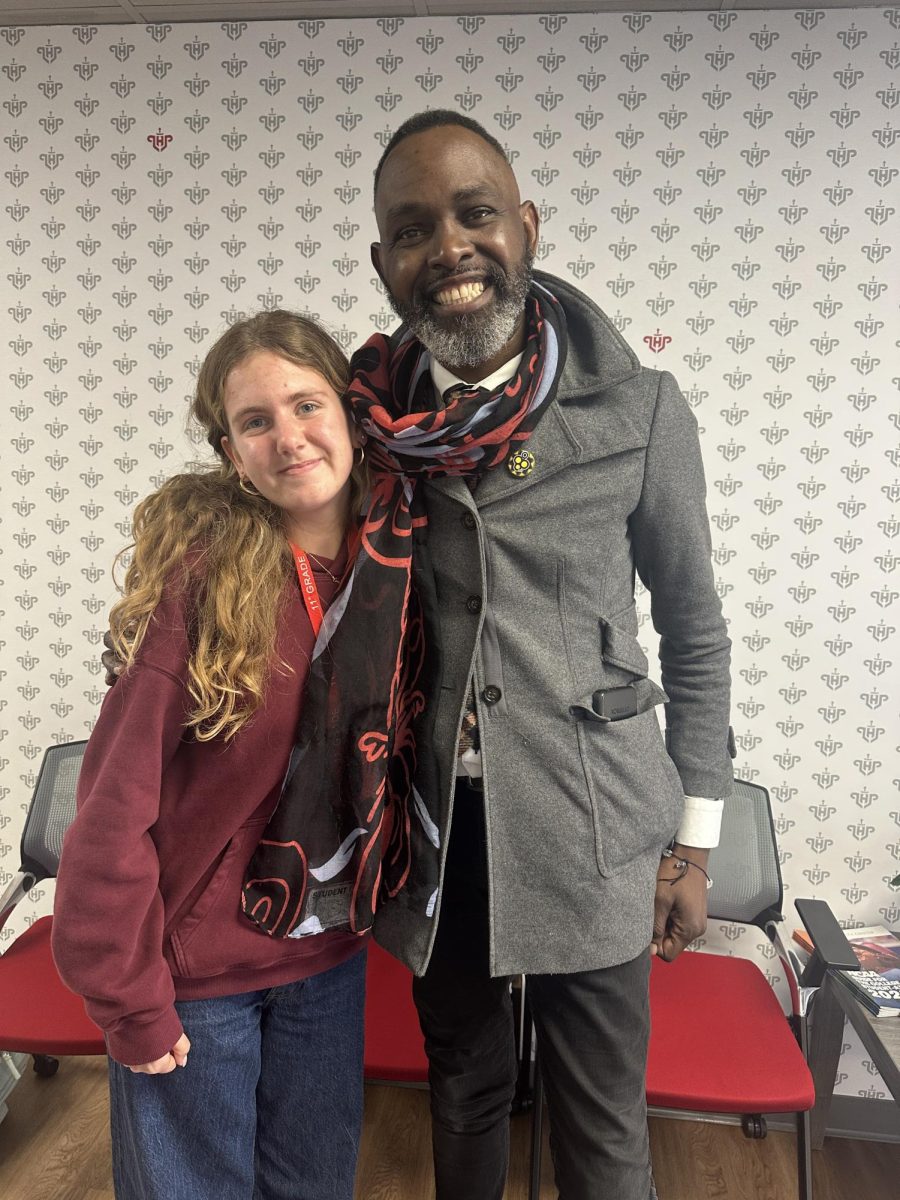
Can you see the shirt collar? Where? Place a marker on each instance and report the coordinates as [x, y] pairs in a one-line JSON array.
[[443, 379]]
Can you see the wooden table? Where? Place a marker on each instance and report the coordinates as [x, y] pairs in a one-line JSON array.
[[879, 1035]]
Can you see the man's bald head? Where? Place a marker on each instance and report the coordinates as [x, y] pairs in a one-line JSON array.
[[434, 118]]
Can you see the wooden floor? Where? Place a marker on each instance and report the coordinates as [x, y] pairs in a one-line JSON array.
[[54, 1145]]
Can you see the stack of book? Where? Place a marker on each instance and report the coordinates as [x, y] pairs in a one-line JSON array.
[[876, 985]]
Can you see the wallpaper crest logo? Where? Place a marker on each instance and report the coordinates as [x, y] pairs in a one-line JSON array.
[[272, 46], [657, 341], [553, 23], [469, 62], [589, 119], [351, 45], [509, 81], [430, 43], [551, 62], [594, 41], [428, 82], [160, 141], [14, 71]]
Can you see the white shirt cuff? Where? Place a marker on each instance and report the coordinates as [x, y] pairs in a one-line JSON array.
[[700, 823]]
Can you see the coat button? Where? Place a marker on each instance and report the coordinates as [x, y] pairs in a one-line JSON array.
[[491, 694], [469, 520], [473, 604]]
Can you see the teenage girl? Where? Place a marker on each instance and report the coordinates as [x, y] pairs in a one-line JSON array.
[[235, 1058]]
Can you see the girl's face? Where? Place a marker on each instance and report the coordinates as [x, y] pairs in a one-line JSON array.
[[291, 437]]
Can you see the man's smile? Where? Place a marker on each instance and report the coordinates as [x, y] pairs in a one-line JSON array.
[[455, 294]]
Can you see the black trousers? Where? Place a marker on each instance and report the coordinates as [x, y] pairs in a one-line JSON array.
[[592, 1029]]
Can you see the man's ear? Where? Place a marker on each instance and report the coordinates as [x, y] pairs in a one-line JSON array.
[[532, 222], [375, 254]]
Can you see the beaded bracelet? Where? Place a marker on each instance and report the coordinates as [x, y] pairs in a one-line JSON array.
[[681, 866]]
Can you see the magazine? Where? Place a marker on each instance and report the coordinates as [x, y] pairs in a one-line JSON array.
[[879, 995], [877, 983]]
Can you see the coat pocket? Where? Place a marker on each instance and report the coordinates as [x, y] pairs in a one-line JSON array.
[[624, 665], [635, 790]]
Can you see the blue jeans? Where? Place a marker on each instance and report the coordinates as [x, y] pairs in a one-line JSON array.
[[269, 1106]]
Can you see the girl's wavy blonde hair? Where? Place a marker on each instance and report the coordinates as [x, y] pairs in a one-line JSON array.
[[200, 531]]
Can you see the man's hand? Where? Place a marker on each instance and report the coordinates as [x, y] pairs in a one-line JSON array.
[[112, 664], [177, 1057], [680, 904]]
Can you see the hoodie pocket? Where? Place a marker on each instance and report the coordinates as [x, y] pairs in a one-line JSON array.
[[208, 939]]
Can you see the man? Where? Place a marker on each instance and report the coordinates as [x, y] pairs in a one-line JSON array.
[[557, 794]]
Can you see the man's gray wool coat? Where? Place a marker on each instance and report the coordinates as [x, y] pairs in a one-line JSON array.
[[577, 809]]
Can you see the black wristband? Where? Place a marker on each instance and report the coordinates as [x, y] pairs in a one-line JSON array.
[[681, 865]]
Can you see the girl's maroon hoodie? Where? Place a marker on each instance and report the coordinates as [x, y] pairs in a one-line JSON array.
[[148, 896]]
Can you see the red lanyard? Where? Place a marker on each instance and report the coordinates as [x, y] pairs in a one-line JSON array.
[[308, 589]]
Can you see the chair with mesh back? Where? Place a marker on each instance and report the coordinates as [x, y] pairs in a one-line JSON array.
[[38, 1014], [719, 1039]]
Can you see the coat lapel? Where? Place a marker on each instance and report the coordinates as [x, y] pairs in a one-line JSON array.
[[554, 447]]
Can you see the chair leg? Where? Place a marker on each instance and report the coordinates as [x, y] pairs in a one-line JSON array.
[[804, 1119], [804, 1157], [537, 1133], [45, 1065], [523, 1096]]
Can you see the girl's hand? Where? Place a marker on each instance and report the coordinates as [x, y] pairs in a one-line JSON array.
[[177, 1057]]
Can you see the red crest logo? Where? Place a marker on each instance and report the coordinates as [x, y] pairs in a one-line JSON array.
[[657, 341], [159, 141]]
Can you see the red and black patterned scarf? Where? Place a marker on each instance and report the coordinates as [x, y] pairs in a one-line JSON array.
[[353, 818]]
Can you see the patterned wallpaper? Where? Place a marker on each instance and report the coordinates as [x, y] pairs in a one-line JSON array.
[[724, 184]]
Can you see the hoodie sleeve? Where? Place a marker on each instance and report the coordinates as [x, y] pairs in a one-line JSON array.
[[108, 912]]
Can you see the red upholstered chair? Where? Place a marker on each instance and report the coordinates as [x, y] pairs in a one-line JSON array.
[[394, 1046], [720, 1042], [38, 1014]]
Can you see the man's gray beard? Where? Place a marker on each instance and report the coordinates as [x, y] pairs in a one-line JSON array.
[[473, 338]]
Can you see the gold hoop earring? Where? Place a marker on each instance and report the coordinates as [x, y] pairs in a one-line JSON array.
[[362, 456], [247, 492]]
